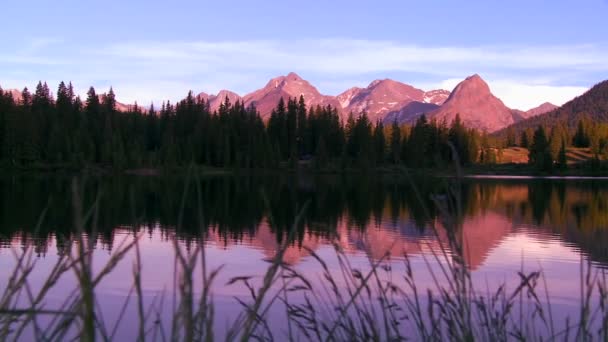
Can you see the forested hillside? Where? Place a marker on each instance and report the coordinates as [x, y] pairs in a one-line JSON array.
[[38, 129], [591, 106]]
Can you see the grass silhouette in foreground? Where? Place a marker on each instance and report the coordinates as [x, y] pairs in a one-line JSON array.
[[354, 304]]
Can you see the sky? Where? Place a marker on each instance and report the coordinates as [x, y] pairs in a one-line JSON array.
[[528, 51]]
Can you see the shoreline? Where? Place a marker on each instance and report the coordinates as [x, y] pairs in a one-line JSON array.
[[500, 171]]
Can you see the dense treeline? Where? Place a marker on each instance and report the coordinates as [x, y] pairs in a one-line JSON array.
[[589, 110], [65, 130], [548, 143], [41, 129], [580, 123]]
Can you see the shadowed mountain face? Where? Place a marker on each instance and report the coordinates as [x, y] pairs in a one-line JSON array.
[[346, 97], [292, 85], [410, 112], [383, 98]]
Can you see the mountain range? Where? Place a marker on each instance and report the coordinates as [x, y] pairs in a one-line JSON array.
[[387, 101]]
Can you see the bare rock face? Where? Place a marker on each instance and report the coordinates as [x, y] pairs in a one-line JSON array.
[[292, 85], [477, 106], [15, 93], [436, 97], [346, 97], [388, 100], [409, 113], [382, 97], [542, 109]]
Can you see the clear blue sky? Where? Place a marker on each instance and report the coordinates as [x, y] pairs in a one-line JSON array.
[[528, 51]]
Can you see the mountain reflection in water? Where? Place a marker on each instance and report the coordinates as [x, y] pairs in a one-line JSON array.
[[505, 226], [362, 215]]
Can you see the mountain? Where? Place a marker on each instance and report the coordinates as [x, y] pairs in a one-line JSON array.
[[346, 97], [203, 96], [216, 100], [542, 109], [387, 97], [292, 85], [15, 93], [477, 106], [121, 107], [593, 104], [382, 97], [385, 100]]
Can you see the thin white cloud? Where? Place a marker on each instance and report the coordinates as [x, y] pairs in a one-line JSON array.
[[361, 56], [526, 96], [158, 70]]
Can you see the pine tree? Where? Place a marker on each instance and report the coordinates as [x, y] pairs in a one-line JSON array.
[[351, 147], [292, 132], [109, 101], [555, 143], [395, 145], [360, 142], [71, 93], [540, 155], [10, 131], [562, 161], [321, 154], [510, 141], [524, 140], [26, 97], [302, 130], [379, 143], [404, 157], [594, 139], [419, 143], [581, 139], [460, 138]]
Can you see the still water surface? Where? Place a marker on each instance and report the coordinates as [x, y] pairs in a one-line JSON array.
[[506, 226]]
